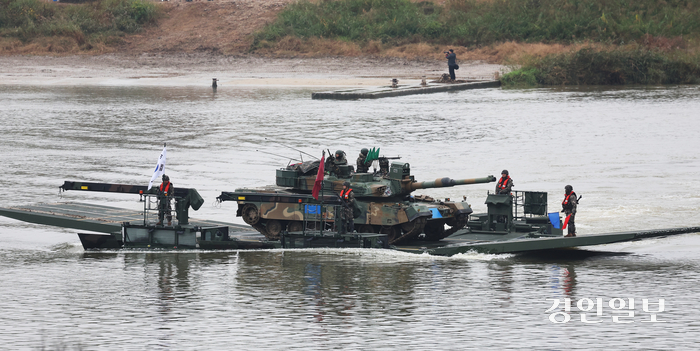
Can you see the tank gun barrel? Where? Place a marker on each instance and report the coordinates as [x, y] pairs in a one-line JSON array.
[[448, 182]]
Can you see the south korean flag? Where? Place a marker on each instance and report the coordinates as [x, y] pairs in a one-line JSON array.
[[160, 168]]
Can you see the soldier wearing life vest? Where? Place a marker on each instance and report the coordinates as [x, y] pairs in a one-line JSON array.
[[504, 184], [348, 198], [569, 208], [166, 192]]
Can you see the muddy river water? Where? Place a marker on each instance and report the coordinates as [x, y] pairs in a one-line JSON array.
[[632, 153]]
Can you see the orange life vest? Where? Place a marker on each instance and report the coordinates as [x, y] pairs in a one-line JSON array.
[[503, 183], [167, 188], [345, 193], [566, 204]]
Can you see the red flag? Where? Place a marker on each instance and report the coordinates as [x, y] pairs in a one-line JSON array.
[[319, 177], [566, 221]]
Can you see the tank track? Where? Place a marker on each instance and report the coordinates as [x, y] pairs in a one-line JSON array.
[[418, 225], [261, 228]]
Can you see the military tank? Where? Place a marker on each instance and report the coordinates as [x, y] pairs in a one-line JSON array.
[[383, 201]]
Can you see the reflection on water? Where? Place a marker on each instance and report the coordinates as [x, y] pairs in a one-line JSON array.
[[629, 151]]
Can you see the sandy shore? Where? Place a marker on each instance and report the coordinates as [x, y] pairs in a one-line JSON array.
[[199, 69]]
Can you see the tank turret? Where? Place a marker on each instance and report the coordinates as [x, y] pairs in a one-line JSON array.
[[383, 201]]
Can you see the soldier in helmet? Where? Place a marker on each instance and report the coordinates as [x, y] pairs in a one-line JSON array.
[[340, 158], [333, 162], [505, 184], [569, 208], [166, 192], [348, 198], [362, 166]]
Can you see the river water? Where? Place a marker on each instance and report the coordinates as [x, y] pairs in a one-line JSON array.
[[632, 153]]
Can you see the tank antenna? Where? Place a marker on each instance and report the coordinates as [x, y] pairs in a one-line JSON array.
[[269, 153], [300, 152]]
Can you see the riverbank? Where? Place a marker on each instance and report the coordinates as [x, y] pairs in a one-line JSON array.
[[199, 69]]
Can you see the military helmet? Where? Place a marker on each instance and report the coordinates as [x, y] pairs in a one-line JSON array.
[[568, 188], [166, 178], [364, 151], [505, 171], [339, 152], [347, 184]]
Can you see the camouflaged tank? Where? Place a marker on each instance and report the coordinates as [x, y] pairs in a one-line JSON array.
[[383, 202]]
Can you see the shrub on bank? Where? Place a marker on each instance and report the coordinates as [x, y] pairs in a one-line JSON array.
[[30, 19], [588, 66]]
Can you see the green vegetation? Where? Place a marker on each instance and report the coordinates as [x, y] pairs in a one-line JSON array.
[[588, 66], [634, 42], [481, 22], [98, 21]]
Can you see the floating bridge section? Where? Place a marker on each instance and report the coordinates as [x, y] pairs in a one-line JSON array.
[[388, 91]]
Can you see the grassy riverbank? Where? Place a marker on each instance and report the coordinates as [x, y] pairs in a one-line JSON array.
[[64, 26], [600, 41], [546, 41], [481, 22]]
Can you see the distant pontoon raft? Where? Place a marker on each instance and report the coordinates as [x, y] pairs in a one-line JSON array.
[[401, 90]]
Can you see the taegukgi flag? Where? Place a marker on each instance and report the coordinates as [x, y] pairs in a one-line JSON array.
[[160, 168]]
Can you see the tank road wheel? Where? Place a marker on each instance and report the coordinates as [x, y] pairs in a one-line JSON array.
[[274, 228], [434, 230], [393, 233], [250, 214], [295, 226], [366, 228]]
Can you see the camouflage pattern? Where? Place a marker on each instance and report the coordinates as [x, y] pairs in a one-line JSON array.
[[362, 167], [382, 200]]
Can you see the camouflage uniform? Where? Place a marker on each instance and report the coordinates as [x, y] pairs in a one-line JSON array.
[[347, 196], [340, 160], [505, 184], [166, 192], [361, 166], [336, 161], [569, 208]]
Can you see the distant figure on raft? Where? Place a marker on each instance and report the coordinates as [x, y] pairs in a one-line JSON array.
[[166, 192], [451, 62]]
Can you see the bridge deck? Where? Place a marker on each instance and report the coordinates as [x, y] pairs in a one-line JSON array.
[[97, 218]]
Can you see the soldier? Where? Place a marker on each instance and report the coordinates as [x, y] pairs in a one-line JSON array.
[[332, 163], [340, 158], [569, 208], [166, 191], [362, 167], [504, 184], [348, 198]]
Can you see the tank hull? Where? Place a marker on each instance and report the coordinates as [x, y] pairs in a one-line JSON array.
[[273, 211]]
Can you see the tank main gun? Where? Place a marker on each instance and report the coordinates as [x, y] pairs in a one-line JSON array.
[[448, 182]]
